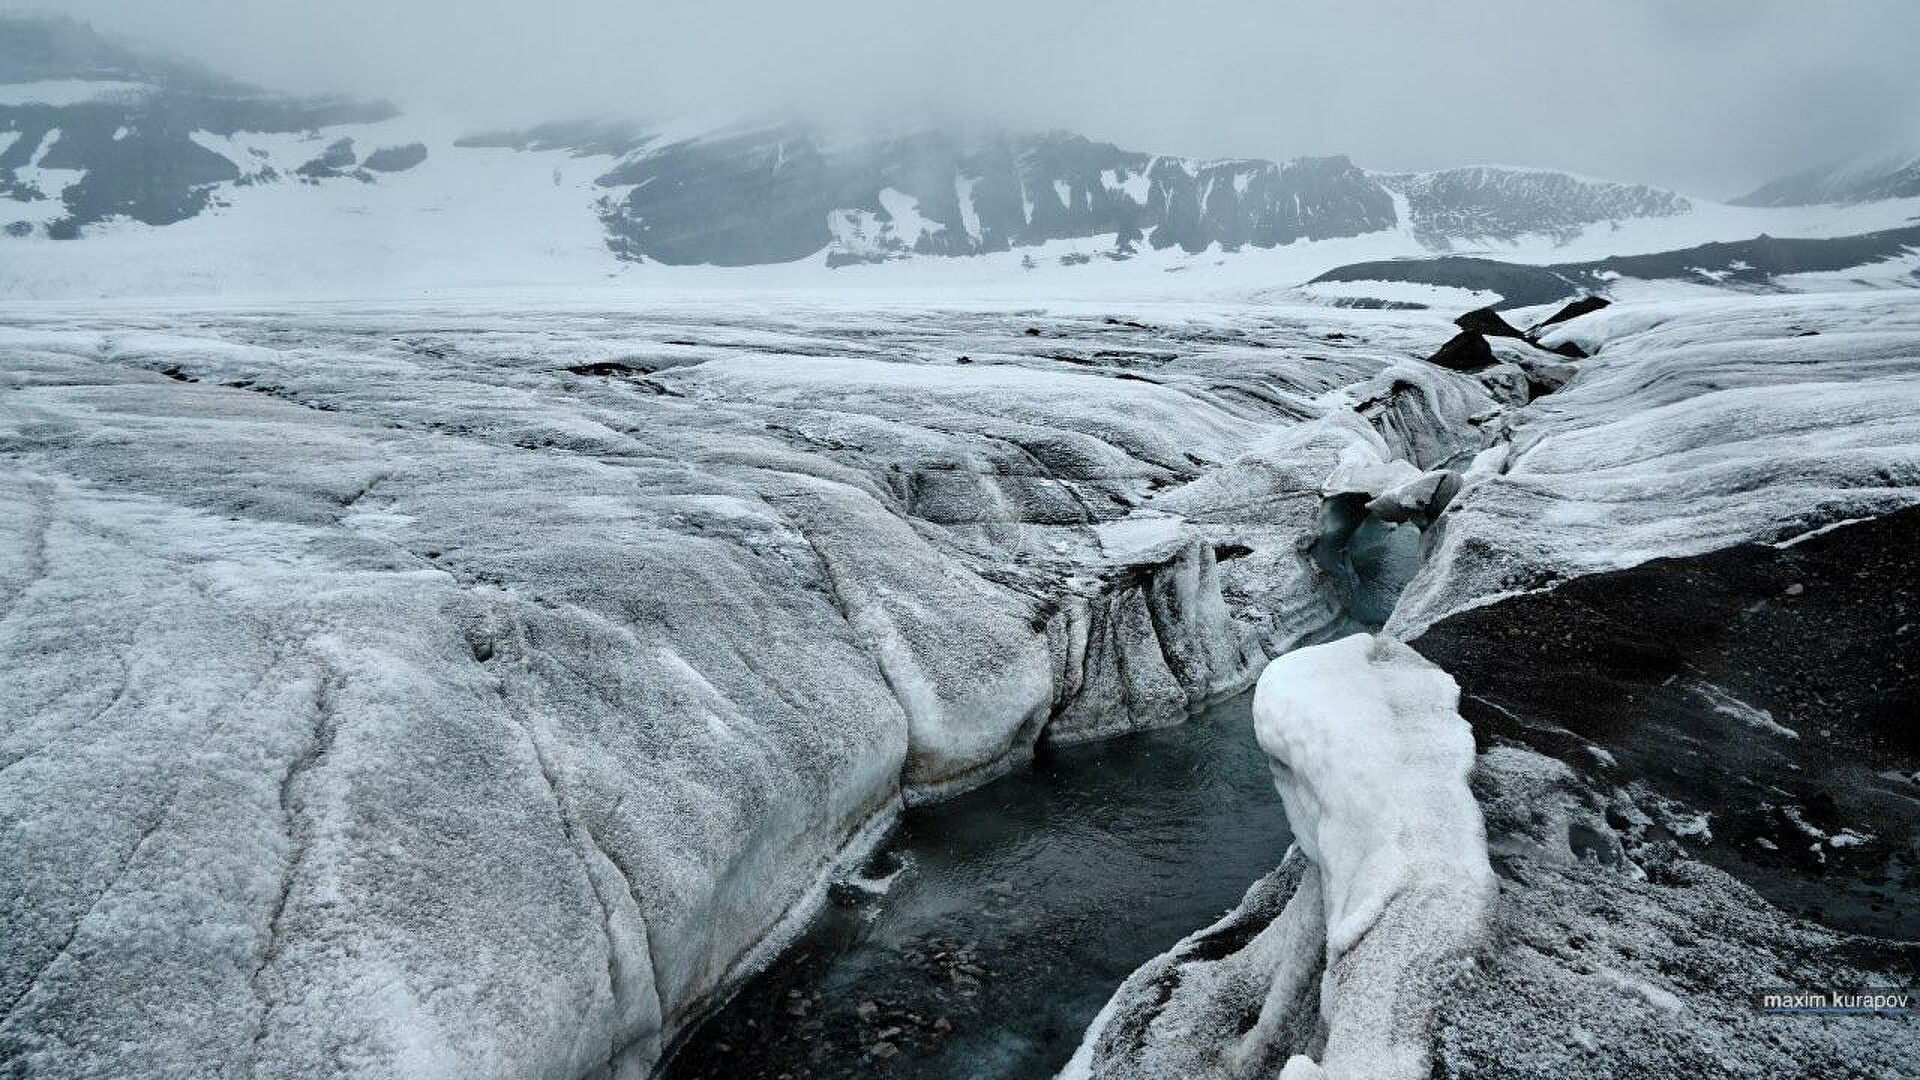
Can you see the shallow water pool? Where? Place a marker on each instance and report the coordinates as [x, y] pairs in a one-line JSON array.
[[998, 923]]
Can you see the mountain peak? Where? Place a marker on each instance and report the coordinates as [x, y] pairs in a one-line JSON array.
[[1867, 178]]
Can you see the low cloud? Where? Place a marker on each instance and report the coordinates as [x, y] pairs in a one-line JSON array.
[[1710, 96]]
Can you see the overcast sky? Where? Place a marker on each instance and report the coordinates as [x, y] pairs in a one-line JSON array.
[[1709, 96]]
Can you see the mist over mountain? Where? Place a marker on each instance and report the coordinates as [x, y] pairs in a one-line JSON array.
[[1711, 98], [102, 137], [1880, 176], [97, 130]]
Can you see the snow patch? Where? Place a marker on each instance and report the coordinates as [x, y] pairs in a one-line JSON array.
[[908, 223], [1753, 716], [969, 213], [1134, 185]]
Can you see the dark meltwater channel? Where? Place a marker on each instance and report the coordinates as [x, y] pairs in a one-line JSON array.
[[1015, 911]]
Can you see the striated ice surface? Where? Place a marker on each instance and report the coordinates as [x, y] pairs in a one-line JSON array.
[[1695, 425], [1612, 949], [434, 690], [439, 691]]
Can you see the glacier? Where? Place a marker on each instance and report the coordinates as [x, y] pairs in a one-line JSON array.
[[445, 691], [1720, 484], [449, 688]]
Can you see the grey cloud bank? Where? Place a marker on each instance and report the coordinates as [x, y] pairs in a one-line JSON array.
[[1710, 97]]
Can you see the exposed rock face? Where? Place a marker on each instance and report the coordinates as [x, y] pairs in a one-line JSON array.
[[335, 160], [1504, 204], [1488, 323], [780, 193], [1586, 305], [131, 148], [1465, 351]]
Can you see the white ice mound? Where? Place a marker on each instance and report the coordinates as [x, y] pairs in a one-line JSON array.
[[1372, 761], [1351, 945]]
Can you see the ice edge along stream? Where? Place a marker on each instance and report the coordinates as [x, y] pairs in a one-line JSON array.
[[1368, 542]]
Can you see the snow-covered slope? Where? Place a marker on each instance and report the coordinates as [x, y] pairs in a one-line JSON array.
[[1496, 203], [1880, 176], [177, 181]]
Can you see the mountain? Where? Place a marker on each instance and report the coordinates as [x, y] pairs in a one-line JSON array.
[[1492, 202], [784, 192], [94, 131], [1894, 176]]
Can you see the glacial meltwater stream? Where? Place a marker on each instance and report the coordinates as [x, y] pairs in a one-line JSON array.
[[1011, 914]]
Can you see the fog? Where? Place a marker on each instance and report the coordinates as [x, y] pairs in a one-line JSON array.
[[1708, 96]]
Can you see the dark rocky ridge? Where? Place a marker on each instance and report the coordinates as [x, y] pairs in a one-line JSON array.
[[769, 194], [396, 158], [781, 193], [1465, 351], [1752, 264], [1487, 322], [1586, 305]]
